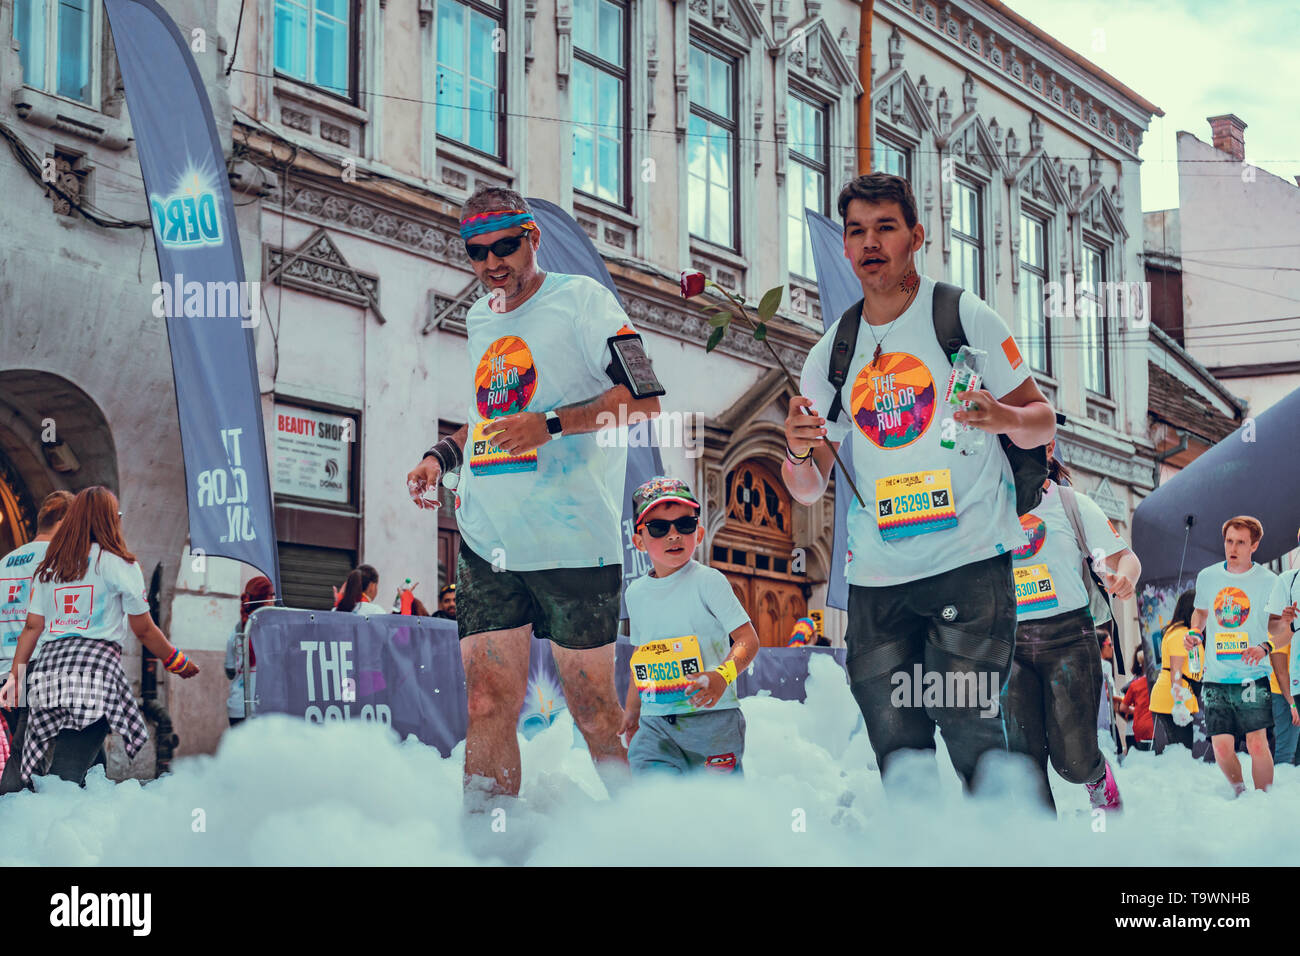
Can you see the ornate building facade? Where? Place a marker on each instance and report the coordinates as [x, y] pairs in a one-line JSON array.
[[687, 134]]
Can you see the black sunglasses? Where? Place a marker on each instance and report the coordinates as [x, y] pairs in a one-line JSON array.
[[501, 248], [658, 527]]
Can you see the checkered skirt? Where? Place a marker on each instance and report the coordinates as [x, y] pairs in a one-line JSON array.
[[74, 682]]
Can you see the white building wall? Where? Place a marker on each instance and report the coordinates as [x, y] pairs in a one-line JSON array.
[[1238, 227]]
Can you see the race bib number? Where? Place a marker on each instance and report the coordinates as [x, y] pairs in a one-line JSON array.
[[1228, 645], [1035, 590], [486, 458], [664, 670], [915, 503]]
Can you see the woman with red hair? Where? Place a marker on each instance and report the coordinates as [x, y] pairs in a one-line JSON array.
[[258, 592], [87, 596]]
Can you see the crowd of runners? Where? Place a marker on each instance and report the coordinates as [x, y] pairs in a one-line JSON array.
[[972, 564]]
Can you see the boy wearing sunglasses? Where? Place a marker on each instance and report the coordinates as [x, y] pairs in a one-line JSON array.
[[682, 711]]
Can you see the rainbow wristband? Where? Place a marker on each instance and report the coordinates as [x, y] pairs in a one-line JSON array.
[[728, 671], [176, 663]]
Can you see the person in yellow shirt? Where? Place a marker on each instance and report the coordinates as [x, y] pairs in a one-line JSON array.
[[1167, 695]]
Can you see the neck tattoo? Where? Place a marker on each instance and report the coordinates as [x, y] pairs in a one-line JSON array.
[[911, 282]]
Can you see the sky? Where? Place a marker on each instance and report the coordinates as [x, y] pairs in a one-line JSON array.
[[1193, 59]]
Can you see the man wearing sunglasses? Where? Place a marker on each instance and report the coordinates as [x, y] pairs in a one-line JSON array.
[[538, 503]]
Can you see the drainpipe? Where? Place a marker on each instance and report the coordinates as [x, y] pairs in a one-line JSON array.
[[152, 707], [1177, 449]]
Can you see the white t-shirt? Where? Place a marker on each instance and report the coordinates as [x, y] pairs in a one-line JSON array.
[[561, 505], [1284, 593], [95, 606], [891, 414], [1049, 568], [16, 570], [694, 601], [369, 609], [1238, 618]]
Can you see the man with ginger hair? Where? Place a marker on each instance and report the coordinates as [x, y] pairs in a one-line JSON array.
[[1231, 620]]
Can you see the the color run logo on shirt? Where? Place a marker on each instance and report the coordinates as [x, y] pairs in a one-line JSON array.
[[1231, 607], [1036, 532], [893, 400], [506, 378]]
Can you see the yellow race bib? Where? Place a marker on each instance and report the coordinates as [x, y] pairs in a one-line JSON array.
[[664, 670], [1035, 590], [915, 503], [486, 458], [1228, 645]]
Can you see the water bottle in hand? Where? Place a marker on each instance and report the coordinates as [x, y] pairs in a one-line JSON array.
[[967, 369]]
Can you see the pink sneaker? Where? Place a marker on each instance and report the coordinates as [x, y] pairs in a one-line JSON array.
[[1104, 794]]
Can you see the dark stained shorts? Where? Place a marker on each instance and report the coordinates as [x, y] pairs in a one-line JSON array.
[[1237, 708], [572, 607]]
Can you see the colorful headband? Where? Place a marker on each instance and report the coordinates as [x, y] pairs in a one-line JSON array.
[[497, 219]]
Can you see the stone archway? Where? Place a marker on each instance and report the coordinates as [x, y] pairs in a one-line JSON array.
[[750, 436], [53, 436]]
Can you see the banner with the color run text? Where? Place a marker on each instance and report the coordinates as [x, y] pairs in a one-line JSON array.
[[210, 309], [406, 673], [567, 249], [837, 289]]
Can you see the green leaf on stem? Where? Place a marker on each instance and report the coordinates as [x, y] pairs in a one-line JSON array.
[[770, 303], [715, 337], [760, 332], [720, 321]]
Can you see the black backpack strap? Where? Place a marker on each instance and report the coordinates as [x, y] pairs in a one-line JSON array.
[[947, 318], [842, 351]]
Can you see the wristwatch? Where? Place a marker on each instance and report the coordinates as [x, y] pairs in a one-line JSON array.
[[553, 423]]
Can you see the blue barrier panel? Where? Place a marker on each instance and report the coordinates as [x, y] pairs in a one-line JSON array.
[[406, 673]]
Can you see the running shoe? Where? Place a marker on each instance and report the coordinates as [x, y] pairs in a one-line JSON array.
[[1104, 794]]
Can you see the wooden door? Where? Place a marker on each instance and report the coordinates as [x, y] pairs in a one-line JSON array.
[[753, 549]]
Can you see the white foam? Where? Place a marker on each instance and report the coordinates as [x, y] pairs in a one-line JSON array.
[[282, 791]]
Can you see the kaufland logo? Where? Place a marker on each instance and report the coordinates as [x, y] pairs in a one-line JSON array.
[[190, 216], [70, 603], [15, 592]]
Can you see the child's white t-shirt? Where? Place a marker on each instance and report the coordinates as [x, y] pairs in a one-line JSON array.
[[694, 602]]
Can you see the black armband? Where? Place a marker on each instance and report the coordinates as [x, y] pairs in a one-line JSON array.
[[631, 367], [447, 453]]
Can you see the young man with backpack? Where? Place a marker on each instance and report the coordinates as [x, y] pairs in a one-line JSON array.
[[1051, 696], [929, 550]]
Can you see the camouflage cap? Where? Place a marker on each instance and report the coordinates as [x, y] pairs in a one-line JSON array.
[[661, 490]]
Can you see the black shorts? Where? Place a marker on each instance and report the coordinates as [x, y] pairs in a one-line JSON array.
[[1237, 708], [968, 612], [573, 607]]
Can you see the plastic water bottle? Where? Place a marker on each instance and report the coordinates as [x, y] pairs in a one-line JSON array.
[[967, 374]]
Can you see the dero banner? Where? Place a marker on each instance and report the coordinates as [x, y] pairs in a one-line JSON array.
[[837, 289], [210, 309]]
